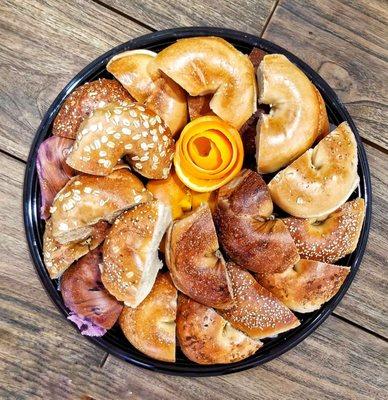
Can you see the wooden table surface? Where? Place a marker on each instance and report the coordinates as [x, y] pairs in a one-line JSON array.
[[43, 43]]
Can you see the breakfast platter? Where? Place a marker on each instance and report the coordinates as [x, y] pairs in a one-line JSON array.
[[197, 201]]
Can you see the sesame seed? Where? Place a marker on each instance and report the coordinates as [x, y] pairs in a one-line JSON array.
[[128, 146], [117, 135], [104, 139], [111, 145], [63, 226]]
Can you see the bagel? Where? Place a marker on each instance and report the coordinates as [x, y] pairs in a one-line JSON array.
[[150, 327], [306, 286], [84, 294], [114, 131], [320, 180], [330, 239], [87, 199], [247, 233], [149, 86], [211, 65], [255, 310], [53, 172], [195, 262], [207, 338], [83, 101], [199, 106], [131, 260], [298, 115], [58, 257]]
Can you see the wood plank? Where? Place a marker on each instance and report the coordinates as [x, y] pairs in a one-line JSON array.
[[330, 364], [365, 301], [245, 15], [345, 41], [44, 44]]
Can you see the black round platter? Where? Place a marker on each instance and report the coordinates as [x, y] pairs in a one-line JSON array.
[[114, 341]]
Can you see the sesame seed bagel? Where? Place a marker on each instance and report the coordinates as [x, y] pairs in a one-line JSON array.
[[306, 286], [131, 260], [115, 131], [246, 232], [150, 86], [83, 100], [204, 65], [256, 311], [321, 179], [207, 338], [87, 199], [150, 327], [58, 257], [330, 239], [84, 294], [195, 262]]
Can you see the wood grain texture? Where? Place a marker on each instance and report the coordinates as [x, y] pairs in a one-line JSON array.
[[43, 45], [245, 15], [345, 41], [333, 363]]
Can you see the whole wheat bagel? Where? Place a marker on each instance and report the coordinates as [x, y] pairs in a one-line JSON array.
[[83, 101]]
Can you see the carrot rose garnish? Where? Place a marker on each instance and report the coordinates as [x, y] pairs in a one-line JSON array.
[[209, 153]]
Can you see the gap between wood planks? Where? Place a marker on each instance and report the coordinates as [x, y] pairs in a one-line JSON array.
[[151, 29]]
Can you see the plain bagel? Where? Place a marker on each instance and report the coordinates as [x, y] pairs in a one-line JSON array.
[[149, 86], [205, 65], [207, 338], [306, 286], [298, 114], [116, 131], [320, 180], [150, 327]]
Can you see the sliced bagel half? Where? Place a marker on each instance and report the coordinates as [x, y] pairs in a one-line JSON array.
[[321, 179]]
